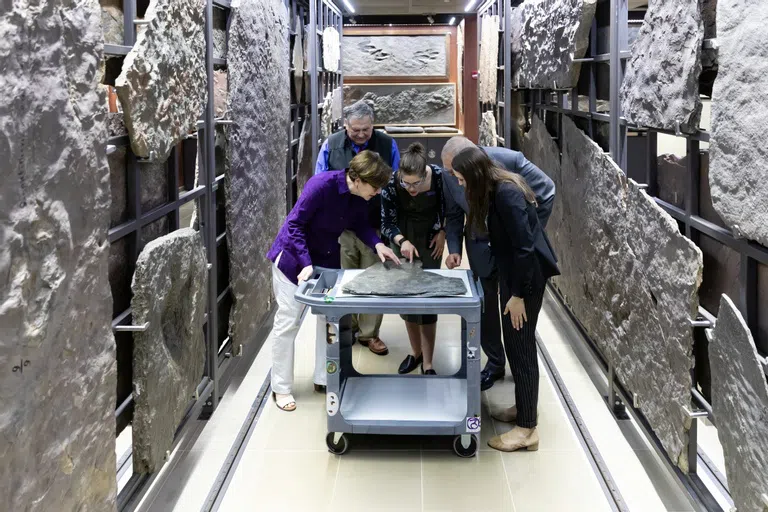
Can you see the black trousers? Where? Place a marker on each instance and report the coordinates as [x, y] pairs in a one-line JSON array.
[[490, 326], [522, 354]]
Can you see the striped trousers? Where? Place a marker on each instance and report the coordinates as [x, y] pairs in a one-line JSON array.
[[522, 355]]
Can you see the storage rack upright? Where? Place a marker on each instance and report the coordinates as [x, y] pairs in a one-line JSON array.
[[298, 12], [502, 107]]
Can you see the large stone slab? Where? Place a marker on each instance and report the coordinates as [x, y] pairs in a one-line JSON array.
[[738, 173], [539, 147], [331, 49], [661, 84], [297, 58], [406, 280], [488, 135], [57, 352], [414, 57], [631, 279], [326, 116], [305, 164], [460, 65], [424, 104], [169, 293], [489, 59], [162, 87], [547, 37], [219, 33], [112, 21], [259, 102], [740, 407]]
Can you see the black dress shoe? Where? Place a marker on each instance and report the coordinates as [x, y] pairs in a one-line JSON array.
[[428, 372], [409, 364], [487, 379], [319, 388]]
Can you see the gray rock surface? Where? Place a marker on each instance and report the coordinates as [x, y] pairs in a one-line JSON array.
[[740, 406], [116, 124], [404, 129], [407, 280], [169, 292], [118, 212], [407, 104], [489, 59], [220, 91], [57, 351], [661, 84], [337, 107], [395, 55], [297, 58], [441, 129], [259, 102], [112, 21], [738, 171], [460, 64], [488, 135], [219, 33], [305, 165], [163, 85], [326, 117], [542, 151], [548, 35], [331, 49], [631, 279]]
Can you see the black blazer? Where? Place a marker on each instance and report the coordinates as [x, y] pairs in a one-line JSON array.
[[522, 250]]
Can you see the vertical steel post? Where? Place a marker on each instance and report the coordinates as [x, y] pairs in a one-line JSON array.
[[507, 49], [619, 43], [129, 27], [314, 130]]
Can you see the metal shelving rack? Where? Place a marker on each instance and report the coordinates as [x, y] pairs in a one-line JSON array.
[[501, 110], [300, 109]]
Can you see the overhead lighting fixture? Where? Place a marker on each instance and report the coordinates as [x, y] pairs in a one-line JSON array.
[[453, 20], [348, 6], [470, 5], [390, 24]]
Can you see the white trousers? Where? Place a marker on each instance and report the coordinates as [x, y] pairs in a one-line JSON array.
[[283, 336]]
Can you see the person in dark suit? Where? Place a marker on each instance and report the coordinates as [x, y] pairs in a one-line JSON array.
[[480, 258], [503, 206]]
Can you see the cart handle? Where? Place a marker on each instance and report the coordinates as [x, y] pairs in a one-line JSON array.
[[302, 290]]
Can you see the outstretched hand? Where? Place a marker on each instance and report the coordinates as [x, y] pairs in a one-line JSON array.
[[385, 253], [408, 250]]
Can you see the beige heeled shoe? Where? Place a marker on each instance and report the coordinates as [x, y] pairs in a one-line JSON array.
[[516, 439]]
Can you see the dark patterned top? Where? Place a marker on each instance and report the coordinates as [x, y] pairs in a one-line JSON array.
[[390, 227]]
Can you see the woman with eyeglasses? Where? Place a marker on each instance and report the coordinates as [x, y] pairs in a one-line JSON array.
[[413, 219]]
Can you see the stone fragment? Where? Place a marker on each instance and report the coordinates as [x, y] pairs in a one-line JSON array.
[[219, 33], [337, 104], [460, 64], [169, 293], [259, 102], [404, 129], [118, 212], [542, 151], [112, 21], [740, 407], [420, 104], [440, 129], [116, 124], [488, 135], [547, 37], [305, 164], [489, 59], [297, 58], [331, 49], [57, 352], [661, 83], [738, 173], [163, 84], [220, 92], [631, 279], [406, 280], [413, 57], [326, 117]]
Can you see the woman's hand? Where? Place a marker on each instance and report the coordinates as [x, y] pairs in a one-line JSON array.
[[438, 244], [385, 253], [516, 310], [408, 250], [453, 261], [306, 273]]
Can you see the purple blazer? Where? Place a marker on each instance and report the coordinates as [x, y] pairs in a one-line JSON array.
[[310, 234]]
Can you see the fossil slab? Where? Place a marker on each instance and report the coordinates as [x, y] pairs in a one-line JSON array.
[[169, 293], [331, 49], [424, 104], [220, 92], [219, 33], [259, 102], [488, 135], [326, 117], [414, 57], [547, 37], [162, 87], [297, 57], [337, 108], [404, 129], [489, 59], [631, 278], [661, 84], [406, 280], [460, 64], [738, 171], [112, 21], [57, 352], [305, 164], [441, 129], [740, 407]]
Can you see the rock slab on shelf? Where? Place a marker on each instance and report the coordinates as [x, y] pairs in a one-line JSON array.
[[331, 49], [169, 293], [661, 84], [740, 407], [547, 37], [259, 102], [542, 151], [406, 280], [631, 279], [57, 352], [162, 87], [488, 135], [489, 59], [421, 104], [396, 55], [738, 174]]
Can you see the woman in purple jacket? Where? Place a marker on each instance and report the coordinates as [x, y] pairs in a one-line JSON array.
[[330, 203]]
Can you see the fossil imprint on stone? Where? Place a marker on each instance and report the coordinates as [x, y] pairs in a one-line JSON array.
[[406, 280], [488, 135], [331, 49], [414, 57], [406, 104], [489, 59]]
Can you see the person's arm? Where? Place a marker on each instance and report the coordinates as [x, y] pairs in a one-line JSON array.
[[513, 213], [322, 159], [395, 156], [454, 219], [364, 231], [309, 201], [389, 225]]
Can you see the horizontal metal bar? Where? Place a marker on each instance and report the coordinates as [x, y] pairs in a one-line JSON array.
[[603, 57], [111, 149], [119, 140], [123, 406], [222, 4], [131, 328], [227, 341], [695, 414], [221, 238], [116, 50], [702, 323], [122, 317], [219, 62], [223, 294], [702, 402], [142, 22]]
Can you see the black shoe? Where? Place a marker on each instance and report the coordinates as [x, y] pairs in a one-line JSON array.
[[487, 379], [319, 388], [428, 372], [409, 364]]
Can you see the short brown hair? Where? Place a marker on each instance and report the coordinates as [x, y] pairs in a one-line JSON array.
[[414, 161], [370, 168]]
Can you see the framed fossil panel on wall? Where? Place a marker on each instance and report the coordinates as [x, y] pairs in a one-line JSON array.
[[397, 56], [407, 104]]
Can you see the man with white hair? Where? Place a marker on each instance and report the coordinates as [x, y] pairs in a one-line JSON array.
[[335, 154], [478, 249]]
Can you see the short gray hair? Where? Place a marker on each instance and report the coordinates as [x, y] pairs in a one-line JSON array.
[[359, 110], [454, 146]]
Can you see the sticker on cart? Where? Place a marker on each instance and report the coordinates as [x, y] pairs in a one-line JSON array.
[[328, 298], [331, 367], [332, 404], [472, 333], [473, 424], [471, 352]]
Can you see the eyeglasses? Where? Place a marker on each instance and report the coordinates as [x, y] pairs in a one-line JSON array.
[[412, 186]]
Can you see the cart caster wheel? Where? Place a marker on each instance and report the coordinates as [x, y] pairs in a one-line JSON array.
[[337, 448], [461, 451]]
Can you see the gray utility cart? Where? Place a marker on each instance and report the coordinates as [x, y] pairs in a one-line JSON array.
[[396, 404]]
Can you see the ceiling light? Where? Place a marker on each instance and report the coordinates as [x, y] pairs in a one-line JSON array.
[[453, 20], [469, 5], [348, 6]]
